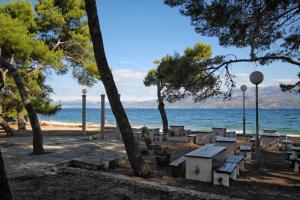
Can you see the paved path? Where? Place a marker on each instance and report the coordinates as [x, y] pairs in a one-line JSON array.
[[19, 161]]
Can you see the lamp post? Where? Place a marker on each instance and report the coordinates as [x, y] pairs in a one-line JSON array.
[[256, 78], [244, 88], [84, 91]]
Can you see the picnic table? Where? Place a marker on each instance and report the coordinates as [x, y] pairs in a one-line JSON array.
[[200, 162], [245, 150], [228, 142], [238, 159]]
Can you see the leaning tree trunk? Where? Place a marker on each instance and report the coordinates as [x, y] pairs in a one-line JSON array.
[[139, 166], [21, 119], [4, 188], [5, 126], [161, 108], [34, 121]]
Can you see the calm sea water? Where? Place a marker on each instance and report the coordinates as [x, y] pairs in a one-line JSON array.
[[284, 120]]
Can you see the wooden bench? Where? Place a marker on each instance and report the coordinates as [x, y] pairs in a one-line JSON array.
[[245, 151], [239, 160], [177, 167], [224, 173]]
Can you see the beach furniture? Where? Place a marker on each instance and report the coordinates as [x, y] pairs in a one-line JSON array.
[[295, 152], [201, 162], [295, 164], [177, 167], [270, 131], [152, 132], [219, 131], [245, 151], [285, 143], [224, 173], [176, 131], [270, 140], [238, 159], [138, 135], [192, 138], [158, 137], [228, 142], [230, 134], [203, 137], [294, 157]]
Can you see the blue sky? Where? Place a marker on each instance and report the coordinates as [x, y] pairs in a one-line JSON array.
[[135, 33]]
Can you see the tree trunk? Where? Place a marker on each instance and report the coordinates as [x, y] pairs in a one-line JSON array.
[[140, 168], [34, 121], [4, 188], [21, 119], [5, 126], [161, 108]]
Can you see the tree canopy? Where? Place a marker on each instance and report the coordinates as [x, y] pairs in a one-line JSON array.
[[52, 35], [269, 29], [186, 75]]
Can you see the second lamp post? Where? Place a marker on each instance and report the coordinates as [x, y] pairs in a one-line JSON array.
[[256, 78]]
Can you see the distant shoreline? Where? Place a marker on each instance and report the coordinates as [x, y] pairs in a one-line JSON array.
[[93, 126]]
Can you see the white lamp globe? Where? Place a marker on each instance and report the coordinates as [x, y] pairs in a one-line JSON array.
[[243, 88], [84, 91], [256, 77]]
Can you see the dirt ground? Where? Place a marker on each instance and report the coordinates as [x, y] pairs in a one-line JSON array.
[[274, 180]]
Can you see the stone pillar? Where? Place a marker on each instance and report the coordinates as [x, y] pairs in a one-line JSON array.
[[84, 91], [102, 114]]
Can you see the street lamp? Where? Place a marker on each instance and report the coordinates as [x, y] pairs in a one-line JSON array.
[[256, 78], [244, 88], [84, 91]]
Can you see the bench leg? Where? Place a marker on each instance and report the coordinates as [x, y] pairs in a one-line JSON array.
[[221, 179], [242, 166], [233, 175], [296, 168]]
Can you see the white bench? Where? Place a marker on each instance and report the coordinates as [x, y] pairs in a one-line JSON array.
[[295, 163], [224, 173], [228, 142], [177, 167], [239, 160], [245, 150]]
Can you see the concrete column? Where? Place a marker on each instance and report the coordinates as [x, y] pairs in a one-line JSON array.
[[84, 91], [102, 114]]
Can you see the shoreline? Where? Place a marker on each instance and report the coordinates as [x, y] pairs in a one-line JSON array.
[[93, 126]]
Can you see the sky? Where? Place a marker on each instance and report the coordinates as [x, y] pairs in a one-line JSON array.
[[135, 33]]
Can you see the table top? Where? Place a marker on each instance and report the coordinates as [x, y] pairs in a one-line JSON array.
[[225, 139], [245, 148], [192, 135], [206, 151], [295, 148], [270, 134]]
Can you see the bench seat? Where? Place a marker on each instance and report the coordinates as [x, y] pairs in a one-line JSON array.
[[245, 150], [177, 167], [238, 159], [224, 173]]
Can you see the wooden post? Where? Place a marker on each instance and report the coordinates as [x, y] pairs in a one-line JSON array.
[[102, 114], [84, 111]]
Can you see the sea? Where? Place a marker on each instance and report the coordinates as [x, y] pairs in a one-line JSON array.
[[283, 120]]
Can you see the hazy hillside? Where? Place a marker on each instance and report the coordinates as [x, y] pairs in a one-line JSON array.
[[269, 97]]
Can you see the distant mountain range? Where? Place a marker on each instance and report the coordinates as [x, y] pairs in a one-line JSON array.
[[269, 97]]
